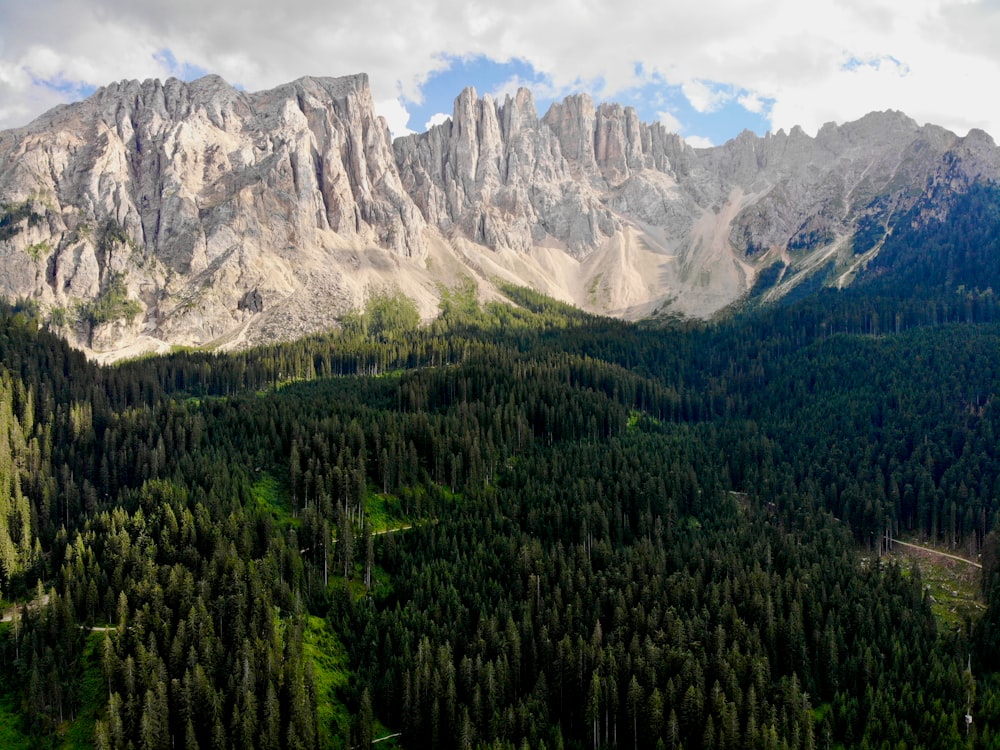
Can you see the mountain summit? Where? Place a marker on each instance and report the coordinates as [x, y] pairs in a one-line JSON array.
[[155, 213]]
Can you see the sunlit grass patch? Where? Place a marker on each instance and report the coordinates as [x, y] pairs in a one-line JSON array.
[[270, 493], [331, 673]]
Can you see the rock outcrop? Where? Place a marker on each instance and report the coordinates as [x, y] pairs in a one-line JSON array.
[[503, 178], [195, 194], [193, 213]]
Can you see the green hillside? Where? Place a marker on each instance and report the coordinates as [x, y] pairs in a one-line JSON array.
[[544, 529]]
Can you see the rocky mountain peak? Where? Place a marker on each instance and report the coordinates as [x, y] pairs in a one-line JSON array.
[[573, 122], [184, 196], [519, 113], [196, 213]]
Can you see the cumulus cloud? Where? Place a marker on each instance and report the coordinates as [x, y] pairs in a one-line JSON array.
[[396, 116], [797, 63], [751, 103], [436, 119], [541, 90], [669, 121], [697, 141], [703, 97]]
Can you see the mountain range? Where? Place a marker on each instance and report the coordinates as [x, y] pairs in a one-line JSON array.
[[155, 214]]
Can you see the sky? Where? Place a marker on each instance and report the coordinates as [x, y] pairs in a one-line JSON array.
[[707, 70]]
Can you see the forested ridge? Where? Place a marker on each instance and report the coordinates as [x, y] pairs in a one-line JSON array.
[[515, 526]]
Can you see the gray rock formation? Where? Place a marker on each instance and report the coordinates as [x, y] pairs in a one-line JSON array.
[[168, 213], [252, 301], [195, 192]]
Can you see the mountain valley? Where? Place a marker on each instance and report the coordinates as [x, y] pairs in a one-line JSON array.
[[524, 432]]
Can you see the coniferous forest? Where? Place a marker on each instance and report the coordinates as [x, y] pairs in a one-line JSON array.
[[517, 526]]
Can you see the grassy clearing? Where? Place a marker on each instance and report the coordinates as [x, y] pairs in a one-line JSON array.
[[381, 510], [79, 734], [328, 655], [330, 669], [11, 736], [381, 583], [272, 495], [385, 512], [953, 586], [640, 420]]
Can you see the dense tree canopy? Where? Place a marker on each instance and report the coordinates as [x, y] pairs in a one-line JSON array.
[[518, 526]]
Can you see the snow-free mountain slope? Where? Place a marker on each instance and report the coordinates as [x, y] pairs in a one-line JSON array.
[[193, 213]]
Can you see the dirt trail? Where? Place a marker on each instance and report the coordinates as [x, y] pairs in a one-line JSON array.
[[939, 552], [14, 613]]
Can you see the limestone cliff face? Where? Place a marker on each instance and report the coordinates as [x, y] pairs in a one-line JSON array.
[[192, 213], [499, 176], [186, 196], [496, 175], [656, 225]]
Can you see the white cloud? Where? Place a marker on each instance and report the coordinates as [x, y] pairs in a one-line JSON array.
[[669, 121], [786, 53], [540, 90], [703, 97], [751, 103], [697, 141], [396, 116], [436, 119]]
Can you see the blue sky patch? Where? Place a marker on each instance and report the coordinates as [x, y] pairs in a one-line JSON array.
[[443, 87], [70, 90], [876, 64], [183, 70], [656, 100]]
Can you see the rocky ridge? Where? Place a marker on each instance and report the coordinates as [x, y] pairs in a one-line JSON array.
[[154, 214]]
